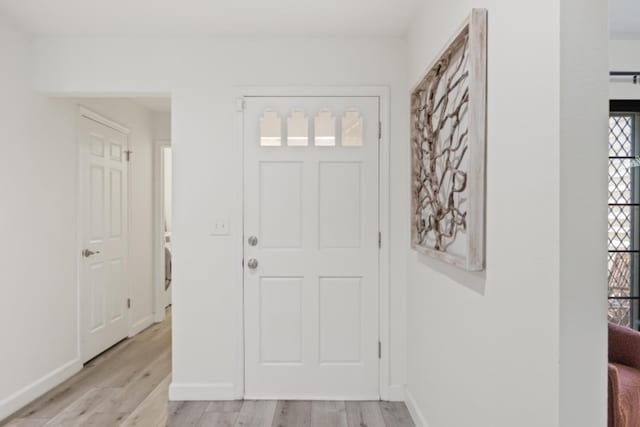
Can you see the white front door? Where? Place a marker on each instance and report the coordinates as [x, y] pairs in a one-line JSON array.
[[103, 287], [311, 247]]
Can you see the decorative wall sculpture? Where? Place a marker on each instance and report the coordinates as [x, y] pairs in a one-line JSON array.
[[448, 133]]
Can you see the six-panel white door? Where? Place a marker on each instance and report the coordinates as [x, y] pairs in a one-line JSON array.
[[103, 287], [311, 302]]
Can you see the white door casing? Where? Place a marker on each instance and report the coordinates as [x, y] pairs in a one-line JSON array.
[[312, 303], [104, 215]]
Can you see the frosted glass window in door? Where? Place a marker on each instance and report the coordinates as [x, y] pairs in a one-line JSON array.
[[351, 128], [324, 128], [297, 128], [270, 129]]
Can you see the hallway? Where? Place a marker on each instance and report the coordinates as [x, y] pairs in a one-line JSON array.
[[128, 386]]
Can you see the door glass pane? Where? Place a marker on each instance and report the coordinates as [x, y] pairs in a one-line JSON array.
[[270, 129], [325, 128], [297, 128], [351, 129]]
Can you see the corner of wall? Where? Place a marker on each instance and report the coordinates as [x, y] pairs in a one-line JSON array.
[[414, 409]]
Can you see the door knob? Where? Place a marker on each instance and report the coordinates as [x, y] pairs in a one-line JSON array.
[[253, 240], [87, 253], [252, 264]]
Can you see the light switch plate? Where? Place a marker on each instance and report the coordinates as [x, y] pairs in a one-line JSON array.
[[220, 227]]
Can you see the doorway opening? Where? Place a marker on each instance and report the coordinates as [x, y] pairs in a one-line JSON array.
[[124, 214], [314, 266], [163, 227]]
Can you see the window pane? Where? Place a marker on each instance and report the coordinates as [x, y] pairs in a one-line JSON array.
[[620, 228], [351, 129], [270, 129], [621, 136], [324, 128], [622, 263], [620, 281], [297, 128], [620, 174]]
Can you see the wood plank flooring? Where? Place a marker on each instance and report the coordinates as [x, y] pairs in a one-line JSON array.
[[127, 386]]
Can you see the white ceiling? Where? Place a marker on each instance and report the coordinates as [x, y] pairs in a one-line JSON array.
[[211, 17], [624, 18], [158, 105], [243, 17]]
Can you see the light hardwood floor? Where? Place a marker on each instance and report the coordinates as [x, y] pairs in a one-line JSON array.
[[128, 385]]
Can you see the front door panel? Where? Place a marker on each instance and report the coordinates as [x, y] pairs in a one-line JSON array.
[[311, 202]]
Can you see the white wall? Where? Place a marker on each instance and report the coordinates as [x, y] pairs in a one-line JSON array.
[[485, 349], [38, 260], [162, 125], [37, 224], [624, 55], [200, 74], [584, 109]]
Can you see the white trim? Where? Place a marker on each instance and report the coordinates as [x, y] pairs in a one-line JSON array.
[[416, 414], [202, 391], [382, 92], [140, 325], [89, 114], [346, 397], [84, 112], [158, 229], [37, 388], [239, 249]]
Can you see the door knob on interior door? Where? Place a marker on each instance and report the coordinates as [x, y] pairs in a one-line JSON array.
[[87, 253], [252, 264]]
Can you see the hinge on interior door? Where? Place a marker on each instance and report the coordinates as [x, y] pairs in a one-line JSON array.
[[128, 302], [379, 130], [379, 240], [379, 350], [127, 155]]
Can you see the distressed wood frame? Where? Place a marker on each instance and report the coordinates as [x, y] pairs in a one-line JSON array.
[[475, 27]]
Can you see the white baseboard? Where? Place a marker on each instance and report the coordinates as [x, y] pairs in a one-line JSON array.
[[140, 325], [269, 396], [418, 417], [37, 388], [202, 391], [395, 393]]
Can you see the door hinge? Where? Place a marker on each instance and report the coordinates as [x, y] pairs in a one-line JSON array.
[[127, 155], [379, 130], [379, 240], [240, 104], [128, 302], [379, 350]]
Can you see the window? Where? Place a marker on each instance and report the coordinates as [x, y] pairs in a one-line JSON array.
[[270, 129], [325, 129], [623, 218], [351, 129], [297, 129]]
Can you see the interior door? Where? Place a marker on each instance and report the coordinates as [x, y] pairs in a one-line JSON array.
[[311, 247], [103, 287]]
